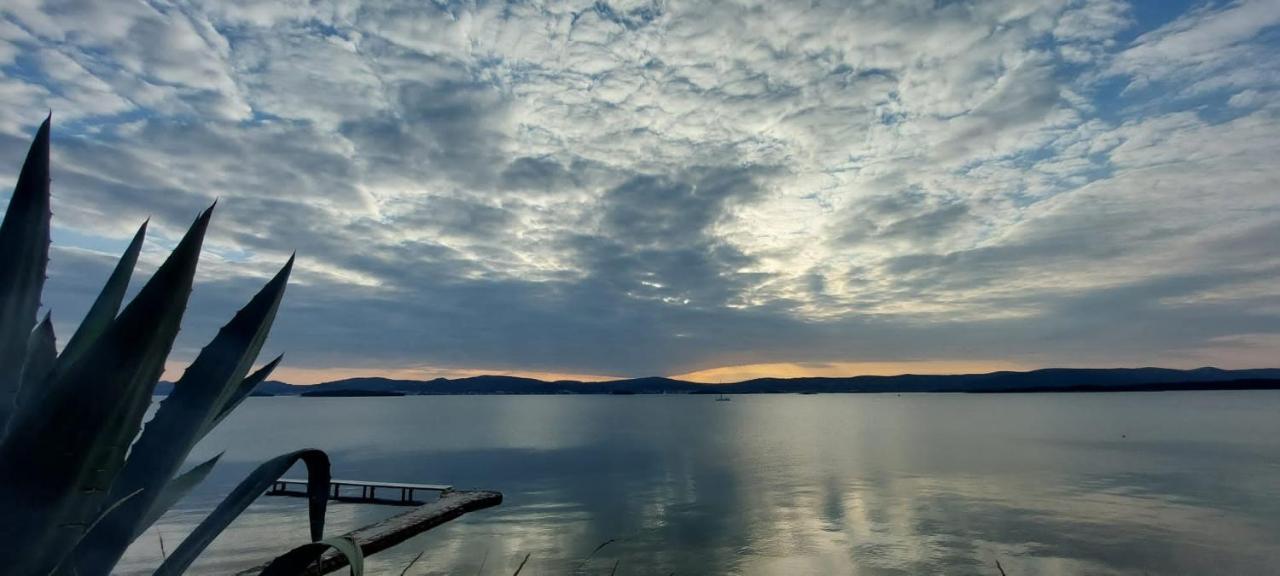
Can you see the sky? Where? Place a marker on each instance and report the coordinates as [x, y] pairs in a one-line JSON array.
[[716, 190]]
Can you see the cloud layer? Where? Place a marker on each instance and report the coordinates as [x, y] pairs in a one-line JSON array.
[[636, 187]]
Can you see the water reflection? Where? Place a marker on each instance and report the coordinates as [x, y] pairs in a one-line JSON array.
[[826, 484]]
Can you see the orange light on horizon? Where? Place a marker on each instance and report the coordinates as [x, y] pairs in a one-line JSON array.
[[726, 374], [717, 375]]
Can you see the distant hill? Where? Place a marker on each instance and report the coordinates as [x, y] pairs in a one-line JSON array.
[[349, 393], [1047, 380]]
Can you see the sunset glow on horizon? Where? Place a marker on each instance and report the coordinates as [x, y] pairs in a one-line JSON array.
[[718, 375]]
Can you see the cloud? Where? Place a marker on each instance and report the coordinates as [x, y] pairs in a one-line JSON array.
[[159, 56], [632, 188], [1203, 49]]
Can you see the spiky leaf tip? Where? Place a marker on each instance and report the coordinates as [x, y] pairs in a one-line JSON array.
[[50, 496], [24, 260], [107, 305], [184, 417]]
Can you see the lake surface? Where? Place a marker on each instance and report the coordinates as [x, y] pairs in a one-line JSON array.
[[1145, 483]]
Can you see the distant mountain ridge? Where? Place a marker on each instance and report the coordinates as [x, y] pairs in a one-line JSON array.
[[1044, 380]]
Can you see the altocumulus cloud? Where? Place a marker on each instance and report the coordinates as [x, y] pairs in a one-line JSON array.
[[635, 187]]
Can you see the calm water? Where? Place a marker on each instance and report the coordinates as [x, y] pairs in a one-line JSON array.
[[1158, 483]]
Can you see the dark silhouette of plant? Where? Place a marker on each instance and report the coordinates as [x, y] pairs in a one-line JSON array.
[[78, 482]]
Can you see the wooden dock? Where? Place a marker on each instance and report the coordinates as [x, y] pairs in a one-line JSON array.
[[396, 529], [403, 494]]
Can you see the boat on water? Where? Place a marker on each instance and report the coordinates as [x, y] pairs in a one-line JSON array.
[[723, 398]]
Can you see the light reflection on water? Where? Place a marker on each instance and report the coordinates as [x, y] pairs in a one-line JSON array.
[[1155, 483]]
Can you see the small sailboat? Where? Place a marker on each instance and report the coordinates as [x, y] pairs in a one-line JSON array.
[[722, 398]]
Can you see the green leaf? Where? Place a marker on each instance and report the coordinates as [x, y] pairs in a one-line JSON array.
[[42, 353], [105, 512], [107, 305], [175, 490], [245, 388], [58, 462], [249, 489], [297, 561], [182, 420], [24, 257]]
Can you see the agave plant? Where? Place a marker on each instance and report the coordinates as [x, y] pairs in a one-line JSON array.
[[80, 476]]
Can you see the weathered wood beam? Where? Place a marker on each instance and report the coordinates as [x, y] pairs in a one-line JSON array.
[[382, 535]]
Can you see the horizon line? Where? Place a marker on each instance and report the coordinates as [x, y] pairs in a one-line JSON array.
[[606, 380]]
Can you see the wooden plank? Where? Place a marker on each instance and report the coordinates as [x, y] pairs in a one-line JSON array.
[[382, 500], [382, 535], [435, 487]]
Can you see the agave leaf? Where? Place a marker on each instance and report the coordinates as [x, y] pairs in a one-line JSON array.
[[107, 305], [106, 512], [92, 411], [24, 257], [296, 561], [175, 490], [42, 353], [249, 489], [182, 420], [245, 388]]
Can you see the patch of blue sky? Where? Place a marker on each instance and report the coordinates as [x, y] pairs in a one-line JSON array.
[[1120, 101], [27, 69], [99, 126], [630, 19], [325, 29], [1149, 15], [1269, 37], [1117, 99], [229, 254], [66, 237], [259, 116], [1214, 108], [1109, 101], [1098, 168], [62, 236]]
